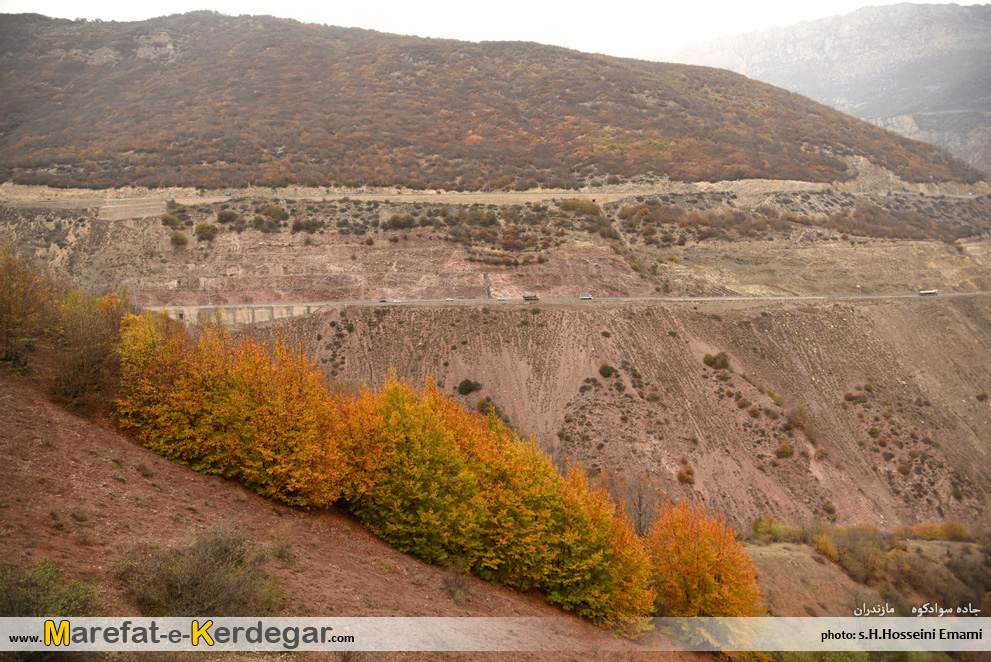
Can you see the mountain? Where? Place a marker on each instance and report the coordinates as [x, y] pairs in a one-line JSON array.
[[207, 100], [921, 70]]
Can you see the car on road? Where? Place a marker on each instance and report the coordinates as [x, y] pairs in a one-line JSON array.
[[448, 299], [585, 296], [383, 301], [397, 301], [501, 299]]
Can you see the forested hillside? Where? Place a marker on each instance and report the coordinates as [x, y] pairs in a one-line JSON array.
[[208, 100]]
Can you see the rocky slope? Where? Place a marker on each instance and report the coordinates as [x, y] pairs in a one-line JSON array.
[[83, 496], [707, 241], [662, 411], [894, 428]]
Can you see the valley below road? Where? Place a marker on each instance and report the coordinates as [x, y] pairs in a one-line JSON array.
[[912, 367]]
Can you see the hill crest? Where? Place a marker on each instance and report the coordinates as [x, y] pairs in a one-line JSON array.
[[210, 101]]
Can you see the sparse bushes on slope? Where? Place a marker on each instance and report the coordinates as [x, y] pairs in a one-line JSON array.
[[467, 386], [719, 362], [883, 560], [799, 418], [686, 475], [769, 528], [948, 530], [581, 206], [206, 231], [825, 546], [227, 216]]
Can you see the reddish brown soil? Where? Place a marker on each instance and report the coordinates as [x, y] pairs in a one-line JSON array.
[[82, 495]]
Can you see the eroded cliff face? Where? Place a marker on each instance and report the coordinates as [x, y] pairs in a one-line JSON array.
[[723, 238], [894, 430], [919, 70]]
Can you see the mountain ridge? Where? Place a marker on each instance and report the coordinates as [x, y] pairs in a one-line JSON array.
[[210, 101], [920, 70]]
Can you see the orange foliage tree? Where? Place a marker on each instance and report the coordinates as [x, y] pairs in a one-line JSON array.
[[230, 406], [420, 471], [699, 567]]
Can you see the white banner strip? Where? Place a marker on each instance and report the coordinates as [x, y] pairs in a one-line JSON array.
[[490, 634]]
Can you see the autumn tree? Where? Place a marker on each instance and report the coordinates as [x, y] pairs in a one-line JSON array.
[[439, 482], [699, 566], [231, 406], [26, 300], [419, 470], [86, 336]]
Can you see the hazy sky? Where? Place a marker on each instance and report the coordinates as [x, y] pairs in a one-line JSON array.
[[630, 28]]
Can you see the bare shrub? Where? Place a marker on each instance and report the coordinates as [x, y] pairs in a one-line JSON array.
[[218, 572], [455, 583], [862, 553], [282, 546], [86, 366]]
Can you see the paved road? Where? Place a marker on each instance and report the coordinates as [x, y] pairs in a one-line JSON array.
[[488, 302]]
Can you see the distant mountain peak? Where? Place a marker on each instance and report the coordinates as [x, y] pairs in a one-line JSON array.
[[921, 70]]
